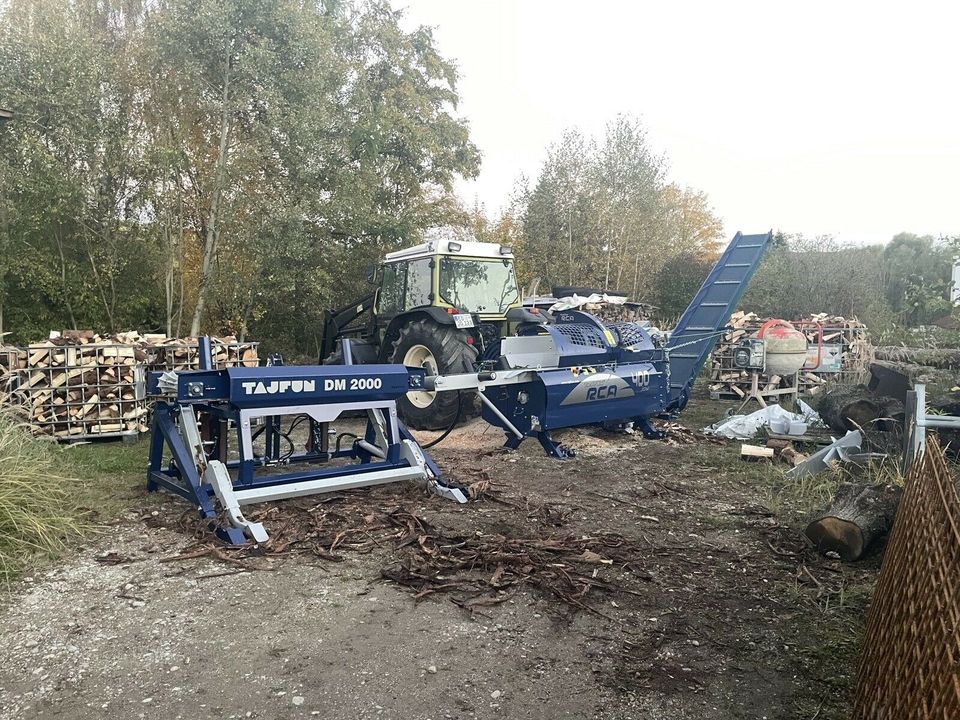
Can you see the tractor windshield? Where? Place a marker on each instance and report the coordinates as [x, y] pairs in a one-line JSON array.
[[480, 286]]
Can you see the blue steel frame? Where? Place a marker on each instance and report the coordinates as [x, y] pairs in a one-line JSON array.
[[182, 477]]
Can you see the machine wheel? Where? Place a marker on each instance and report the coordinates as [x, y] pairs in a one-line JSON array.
[[438, 349]]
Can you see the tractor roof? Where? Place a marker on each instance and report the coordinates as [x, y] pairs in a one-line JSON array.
[[466, 248]]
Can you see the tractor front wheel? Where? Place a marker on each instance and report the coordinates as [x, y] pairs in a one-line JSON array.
[[439, 350]]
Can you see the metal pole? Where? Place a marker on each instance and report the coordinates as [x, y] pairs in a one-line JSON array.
[[496, 411], [203, 351]]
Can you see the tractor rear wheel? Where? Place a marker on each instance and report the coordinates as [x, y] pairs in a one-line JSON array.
[[439, 350]]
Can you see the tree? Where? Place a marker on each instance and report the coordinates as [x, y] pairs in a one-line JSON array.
[[217, 165], [917, 278], [70, 80], [601, 213]]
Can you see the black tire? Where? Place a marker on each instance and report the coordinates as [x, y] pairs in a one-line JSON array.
[[452, 355]]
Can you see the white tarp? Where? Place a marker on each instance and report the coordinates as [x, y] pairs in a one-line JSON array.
[[575, 301], [745, 427]]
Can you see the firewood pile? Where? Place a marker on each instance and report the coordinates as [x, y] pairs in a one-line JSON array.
[[79, 385], [847, 354]]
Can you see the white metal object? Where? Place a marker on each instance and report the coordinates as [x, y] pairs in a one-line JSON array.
[[467, 248], [841, 450], [530, 351], [217, 476], [233, 497], [955, 284], [917, 421], [472, 381]]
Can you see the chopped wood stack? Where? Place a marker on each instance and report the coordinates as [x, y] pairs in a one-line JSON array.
[[79, 385], [846, 355]]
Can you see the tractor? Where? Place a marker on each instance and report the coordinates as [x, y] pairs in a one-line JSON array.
[[442, 306]]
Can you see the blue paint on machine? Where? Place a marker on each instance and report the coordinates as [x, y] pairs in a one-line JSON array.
[[618, 373], [286, 385]]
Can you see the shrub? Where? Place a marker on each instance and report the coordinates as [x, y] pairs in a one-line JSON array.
[[36, 512]]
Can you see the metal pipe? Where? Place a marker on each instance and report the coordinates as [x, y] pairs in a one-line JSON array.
[[496, 411], [205, 355], [466, 381], [347, 351], [947, 421], [372, 449]]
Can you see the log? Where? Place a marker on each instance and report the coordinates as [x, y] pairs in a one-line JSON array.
[[849, 407], [944, 358], [914, 373], [859, 515], [755, 452]]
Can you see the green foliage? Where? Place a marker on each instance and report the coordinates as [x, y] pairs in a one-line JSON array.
[[36, 513], [215, 165], [602, 213], [677, 282], [916, 280], [902, 284]]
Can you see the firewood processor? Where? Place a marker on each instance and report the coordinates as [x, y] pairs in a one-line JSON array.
[[572, 372]]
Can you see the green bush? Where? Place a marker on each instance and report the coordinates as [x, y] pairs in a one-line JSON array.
[[36, 512]]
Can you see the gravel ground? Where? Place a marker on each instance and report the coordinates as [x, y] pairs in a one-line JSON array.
[[119, 631]]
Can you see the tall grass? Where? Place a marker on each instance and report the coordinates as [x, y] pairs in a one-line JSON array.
[[37, 513]]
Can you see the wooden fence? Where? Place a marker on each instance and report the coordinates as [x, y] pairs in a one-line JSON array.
[[910, 667]]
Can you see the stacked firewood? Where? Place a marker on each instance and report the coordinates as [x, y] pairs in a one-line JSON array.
[[78, 384], [846, 356]]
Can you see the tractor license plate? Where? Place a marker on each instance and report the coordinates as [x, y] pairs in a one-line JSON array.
[[463, 320]]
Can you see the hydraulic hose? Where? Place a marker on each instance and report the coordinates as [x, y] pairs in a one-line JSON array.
[[456, 419]]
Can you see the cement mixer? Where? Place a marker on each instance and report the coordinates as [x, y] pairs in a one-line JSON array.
[[780, 350]]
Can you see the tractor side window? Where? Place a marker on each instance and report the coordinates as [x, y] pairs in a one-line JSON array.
[[390, 301], [419, 282]]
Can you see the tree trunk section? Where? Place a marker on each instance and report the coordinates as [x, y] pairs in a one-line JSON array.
[[213, 228], [858, 516], [849, 407], [944, 358]]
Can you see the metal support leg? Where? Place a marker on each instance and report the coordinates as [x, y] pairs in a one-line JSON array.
[[216, 475], [435, 479], [183, 478], [513, 442], [554, 448], [648, 430]]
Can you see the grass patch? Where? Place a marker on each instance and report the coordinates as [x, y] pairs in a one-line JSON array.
[[111, 476], [52, 494], [38, 512]]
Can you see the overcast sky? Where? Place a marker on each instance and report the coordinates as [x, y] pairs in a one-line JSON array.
[[835, 118]]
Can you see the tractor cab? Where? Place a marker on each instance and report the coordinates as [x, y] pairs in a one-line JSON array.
[[462, 278], [438, 306]]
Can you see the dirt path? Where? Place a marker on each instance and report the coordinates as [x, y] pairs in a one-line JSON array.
[[704, 623]]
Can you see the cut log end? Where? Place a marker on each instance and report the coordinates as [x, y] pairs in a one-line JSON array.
[[858, 515], [835, 534]]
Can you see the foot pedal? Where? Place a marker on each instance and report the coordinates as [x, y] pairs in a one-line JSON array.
[[457, 493], [216, 475]]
